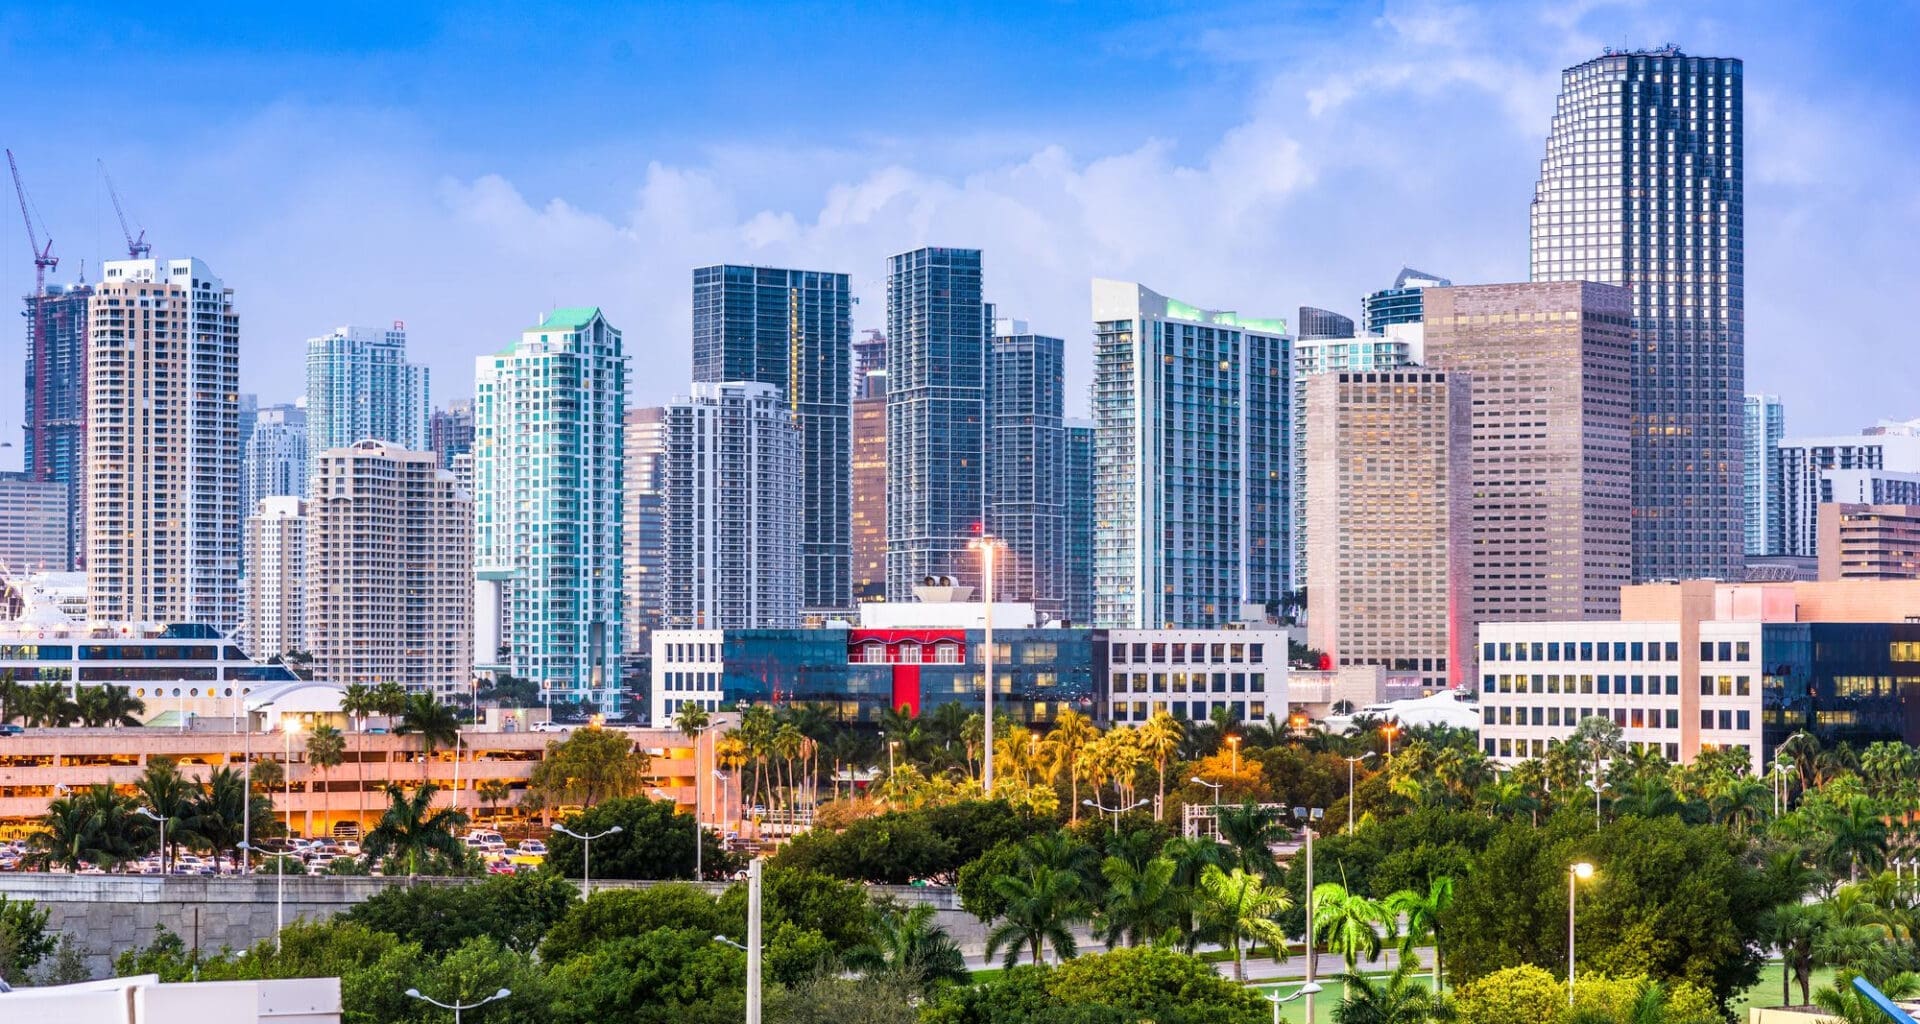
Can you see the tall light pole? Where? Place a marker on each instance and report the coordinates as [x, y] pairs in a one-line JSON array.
[[1576, 874], [696, 823], [987, 546], [1216, 787], [147, 813], [1234, 742], [246, 798], [586, 855], [1115, 811], [288, 727], [752, 947], [1309, 816], [279, 889], [1389, 730], [457, 1006], [1276, 998], [1351, 761]]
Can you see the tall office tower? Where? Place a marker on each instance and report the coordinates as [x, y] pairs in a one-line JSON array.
[[56, 400], [645, 537], [1551, 366], [276, 456], [163, 445], [389, 584], [793, 329], [1026, 467], [360, 387], [1877, 467], [1766, 424], [870, 489], [1079, 560], [276, 593], [1316, 324], [869, 358], [1403, 344], [936, 417], [450, 430], [249, 418], [1399, 304], [1388, 458], [734, 495], [36, 525], [1191, 410], [548, 454], [1642, 187]]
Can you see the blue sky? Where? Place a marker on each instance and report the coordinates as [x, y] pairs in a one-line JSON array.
[[463, 168]]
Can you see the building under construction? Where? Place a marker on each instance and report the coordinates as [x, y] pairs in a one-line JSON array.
[[56, 394]]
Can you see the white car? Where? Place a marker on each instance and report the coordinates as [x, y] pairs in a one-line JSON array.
[[559, 727], [533, 848]]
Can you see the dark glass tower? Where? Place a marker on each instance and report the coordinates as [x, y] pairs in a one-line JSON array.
[[936, 416], [1642, 187], [1026, 485], [793, 329], [56, 397], [1079, 562]]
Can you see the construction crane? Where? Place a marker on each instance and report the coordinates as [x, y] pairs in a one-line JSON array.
[[43, 257], [137, 247]]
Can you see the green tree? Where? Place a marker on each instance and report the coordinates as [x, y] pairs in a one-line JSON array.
[[1237, 907], [666, 976], [655, 841], [1250, 830], [1793, 929], [1399, 998], [1124, 986], [1856, 837], [218, 816], [589, 766], [1349, 924], [166, 792], [46, 705], [24, 938], [1513, 995], [691, 718], [435, 723], [1422, 913], [515, 910], [326, 748], [107, 705], [1141, 904], [909, 944], [629, 913], [838, 910], [1847, 1006], [93, 826], [410, 828], [1041, 906]]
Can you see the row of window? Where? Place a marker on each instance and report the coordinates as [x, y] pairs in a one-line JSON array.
[[1189, 654], [1185, 682], [1196, 710], [1627, 718], [692, 681], [1615, 684], [1510, 747]]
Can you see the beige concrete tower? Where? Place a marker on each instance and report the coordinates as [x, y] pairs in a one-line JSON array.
[[276, 614], [1552, 463], [1387, 569]]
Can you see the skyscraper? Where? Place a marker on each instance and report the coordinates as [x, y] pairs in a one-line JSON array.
[[276, 542], [870, 488], [361, 387], [450, 430], [56, 399], [548, 453], [1316, 324], [1191, 412], [1399, 304], [1766, 424], [1026, 452], [645, 536], [276, 456], [869, 358], [1550, 364], [163, 445], [389, 573], [1079, 559], [792, 329], [1387, 457], [36, 525], [1642, 186], [733, 492], [936, 417]]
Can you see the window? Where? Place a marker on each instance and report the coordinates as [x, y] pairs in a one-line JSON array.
[[1742, 720], [1706, 718]]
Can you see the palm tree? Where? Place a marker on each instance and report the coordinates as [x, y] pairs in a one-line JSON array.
[[1511, 797], [219, 814], [1397, 999], [1741, 802], [47, 705], [411, 827], [169, 794], [1160, 741], [1349, 924], [908, 942], [92, 825], [1072, 731], [1191, 858], [493, 793], [10, 693], [691, 718], [1423, 913], [1647, 796], [1239, 906], [1250, 830], [1848, 1006], [1042, 903], [1794, 929], [1856, 838], [325, 750], [113, 706], [436, 723], [357, 702], [1142, 902]]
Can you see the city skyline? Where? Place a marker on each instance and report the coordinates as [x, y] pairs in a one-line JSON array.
[[1282, 156]]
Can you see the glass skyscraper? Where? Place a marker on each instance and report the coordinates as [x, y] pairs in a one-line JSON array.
[[1400, 304], [936, 417], [360, 387], [56, 398], [1191, 428], [548, 454], [793, 329], [1642, 186], [1766, 424], [275, 462], [1026, 486], [1079, 561]]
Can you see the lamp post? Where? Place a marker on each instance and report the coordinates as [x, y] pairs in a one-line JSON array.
[[1389, 730], [1351, 761], [696, 823], [1780, 770], [288, 728], [1576, 873], [147, 813], [752, 947], [586, 854], [1276, 998], [987, 546], [1234, 743], [1309, 815], [457, 1006], [1216, 787], [1115, 811], [246, 798], [279, 889]]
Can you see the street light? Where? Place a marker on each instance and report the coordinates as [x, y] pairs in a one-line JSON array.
[[1578, 872], [1351, 761], [1115, 811], [752, 946], [279, 888], [1234, 743], [289, 727], [987, 547], [1389, 730], [657, 791], [149, 815], [246, 802], [1309, 815], [457, 1006], [586, 855], [1276, 998]]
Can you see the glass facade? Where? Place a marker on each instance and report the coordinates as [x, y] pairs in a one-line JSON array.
[[1766, 424], [56, 398], [1026, 485], [360, 387], [1079, 559], [1852, 682]]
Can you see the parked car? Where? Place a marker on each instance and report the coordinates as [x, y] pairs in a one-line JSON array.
[[10, 729], [533, 847]]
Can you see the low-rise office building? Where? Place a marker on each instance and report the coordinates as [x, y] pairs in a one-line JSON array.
[[1869, 542]]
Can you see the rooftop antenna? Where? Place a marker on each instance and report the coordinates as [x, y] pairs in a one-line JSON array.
[[137, 247]]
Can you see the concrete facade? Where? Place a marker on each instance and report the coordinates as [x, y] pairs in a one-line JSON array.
[[1869, 542]]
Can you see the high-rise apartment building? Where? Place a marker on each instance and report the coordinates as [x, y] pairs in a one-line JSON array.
[[1191, 410], [1400, 304], [870, 490], [1869, 542], [55, 410], [936, 417], [1389, 462], [1316, 324], [361, 387], [163, 445], [1551, 366], [276, 593], [1766, 424], [1026, 452], [1642, 186], [645, 535], [1872, 468], [734, 494], [450, 430], [276, 460], [548, 452], [1079, 558], [793, 329], [869, 358], [36, 525], [389, 571]]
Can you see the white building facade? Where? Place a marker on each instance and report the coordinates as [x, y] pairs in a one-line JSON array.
[[1191, 673], [276, 538]]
